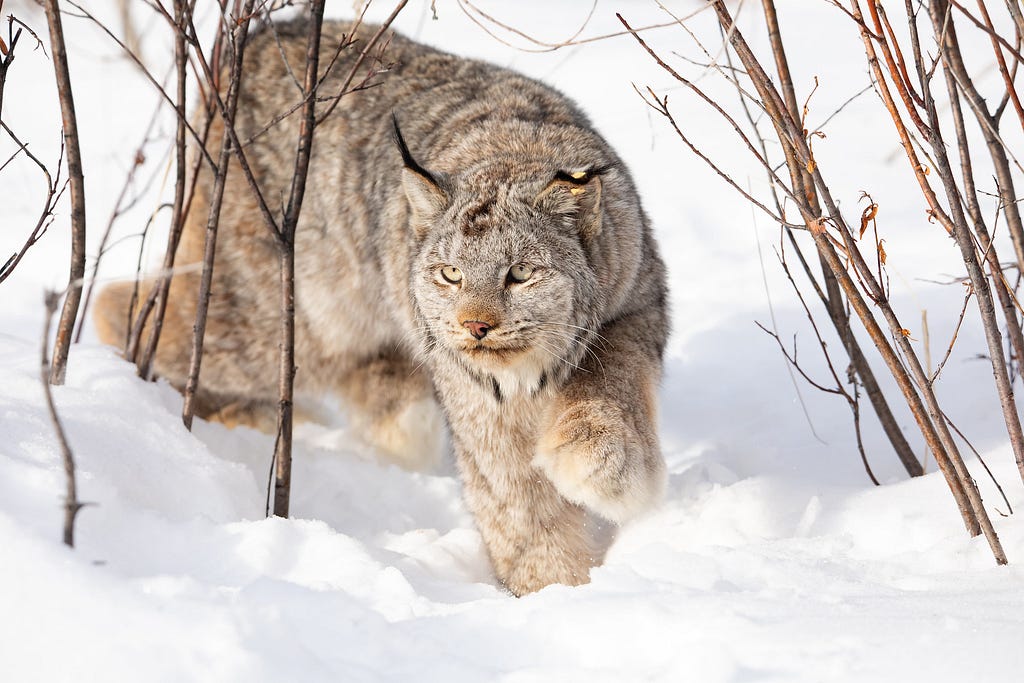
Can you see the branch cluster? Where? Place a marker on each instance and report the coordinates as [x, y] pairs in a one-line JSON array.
[[853, 278]]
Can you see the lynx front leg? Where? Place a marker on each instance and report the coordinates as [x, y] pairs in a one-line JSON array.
[[393, 408], [599, 446], [534, 536]]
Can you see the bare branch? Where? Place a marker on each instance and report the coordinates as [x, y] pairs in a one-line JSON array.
[[181, 203], [217, 195], [149, 76], [478, 17], [76, 178], [54, 190], [928, 418], [119, 208], [286, 369], [344, 89], [71, 504]]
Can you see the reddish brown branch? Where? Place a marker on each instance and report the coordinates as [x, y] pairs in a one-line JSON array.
[[897, 72], [1014, 52], [804, 186], [926, 412], [946, 33], [1011, 90]]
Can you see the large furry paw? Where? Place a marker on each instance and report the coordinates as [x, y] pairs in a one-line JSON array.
[[594, 455]]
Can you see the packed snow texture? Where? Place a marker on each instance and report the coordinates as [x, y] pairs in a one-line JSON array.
[[773, 558]]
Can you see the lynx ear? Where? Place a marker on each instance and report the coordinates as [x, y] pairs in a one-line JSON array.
[[422, 188], [426, 198], [577, 194]]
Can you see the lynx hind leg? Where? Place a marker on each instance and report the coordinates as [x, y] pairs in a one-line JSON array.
[[216, 400], [111, 315], [260, 415], [392, 407]]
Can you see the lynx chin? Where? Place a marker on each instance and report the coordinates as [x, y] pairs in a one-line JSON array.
[[471, 254]]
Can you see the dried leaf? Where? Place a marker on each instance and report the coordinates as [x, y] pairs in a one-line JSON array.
[[881, 252], [811, 165], [866, 217]]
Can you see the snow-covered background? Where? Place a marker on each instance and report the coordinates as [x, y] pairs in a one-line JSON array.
[[772, 559]]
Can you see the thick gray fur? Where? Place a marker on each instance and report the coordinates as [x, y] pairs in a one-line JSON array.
[[553, 413]]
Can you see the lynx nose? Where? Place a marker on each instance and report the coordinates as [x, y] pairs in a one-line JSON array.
[[476, 328]]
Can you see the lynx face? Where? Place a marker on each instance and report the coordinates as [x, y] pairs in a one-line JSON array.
[[501, 280], [505, 288]]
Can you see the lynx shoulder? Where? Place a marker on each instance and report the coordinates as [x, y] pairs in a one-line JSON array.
[[471, 254]]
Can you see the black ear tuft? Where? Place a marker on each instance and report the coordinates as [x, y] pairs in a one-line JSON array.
[[407, 158], [580, 177]]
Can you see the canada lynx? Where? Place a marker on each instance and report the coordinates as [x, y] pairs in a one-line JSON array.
[[499, 268]]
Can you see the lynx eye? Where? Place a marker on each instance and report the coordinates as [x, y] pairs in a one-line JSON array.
[[451, 275], [520, 272]]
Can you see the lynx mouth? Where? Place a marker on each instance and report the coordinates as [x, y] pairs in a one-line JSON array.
[[480, 350]]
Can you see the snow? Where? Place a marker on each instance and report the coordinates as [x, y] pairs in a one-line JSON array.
[[772, 559]]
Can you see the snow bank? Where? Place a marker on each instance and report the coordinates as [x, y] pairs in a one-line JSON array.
[[772, 559]]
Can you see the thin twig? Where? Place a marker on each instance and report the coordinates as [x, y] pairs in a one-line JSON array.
[[370, 44], [213, 221], [71, 504], [149, 76], [832, 297], [54, 191], [945, 32], [938, 438], [138, 159], [182, 197], [981, 460], [473, 12], [956, 331]]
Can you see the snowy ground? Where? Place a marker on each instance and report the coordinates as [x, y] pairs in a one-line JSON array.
[[772, 559]]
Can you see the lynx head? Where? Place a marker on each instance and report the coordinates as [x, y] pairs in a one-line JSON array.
[[500, 278]]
